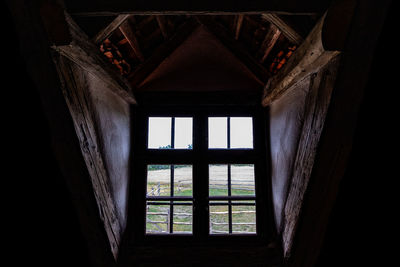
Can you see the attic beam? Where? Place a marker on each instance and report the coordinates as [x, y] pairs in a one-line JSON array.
[[307, 59], [269, 41], [70, 41], [110, 28], [162, 52], [239, 22], [126, 30], [287, 30], [161, 20], [204, 7], [235, 47]]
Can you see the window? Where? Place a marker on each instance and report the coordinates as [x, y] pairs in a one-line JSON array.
[[203, 172]]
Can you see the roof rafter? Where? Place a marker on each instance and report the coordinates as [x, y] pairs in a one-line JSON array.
[[110, 28], [290, 33]]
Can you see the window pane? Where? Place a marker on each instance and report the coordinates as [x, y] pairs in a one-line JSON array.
[[157, 219], [243, 219], [219, 219], [183, 219], [183, 133], [241, 133], [218, 180], [242, 179], [217, 132], [158, 180], [159, 135], [183, 180]]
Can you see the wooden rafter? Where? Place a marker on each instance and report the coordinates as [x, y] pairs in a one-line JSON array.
[[308, 58], [130, 36], [162, 23], [285, 28], [162, 52], [269, 41], [110, 28], [239, 22], [235, 47], [70, 41]]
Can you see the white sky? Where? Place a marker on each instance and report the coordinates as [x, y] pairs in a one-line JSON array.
[[241, 134]]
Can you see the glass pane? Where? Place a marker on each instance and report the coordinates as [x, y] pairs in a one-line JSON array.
[[158, 180], [242, 179], [219, 219], [159, 135], [183, 219], [183, 133], [183, 180], [243, 219], [218, 180], [157, 218], [217, 132], [241, 132]]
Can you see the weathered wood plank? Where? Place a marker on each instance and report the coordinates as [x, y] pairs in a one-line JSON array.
[[316, 107], [107, 31], [286, 30], [75, 91], [78, 48], [307, 59], [269, 41], [235, 47], [126, 30], [162, 52]]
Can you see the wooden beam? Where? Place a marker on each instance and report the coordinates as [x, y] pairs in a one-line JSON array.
[[269, 41], [307, 59], [74, 44], [107, 31], [162, 52], [235, 47], [178, 7], [239, 22], [286, 30], [161, 20], [76, 95], [130, 36]]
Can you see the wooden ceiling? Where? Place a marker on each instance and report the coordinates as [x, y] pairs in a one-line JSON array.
[[139, 43]]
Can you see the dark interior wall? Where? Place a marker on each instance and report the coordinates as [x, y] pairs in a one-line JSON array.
[[112, 120], [201, 64], [286, 121]]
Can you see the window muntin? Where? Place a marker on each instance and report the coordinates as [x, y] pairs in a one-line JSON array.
[[200, 157]]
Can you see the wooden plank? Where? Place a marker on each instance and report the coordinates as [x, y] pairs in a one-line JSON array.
[[78, 48], [126, 30], [162, 52], [235, 47], [307, 59], [105, 7], [316, 107], [107, 31], [76, 95], [269, 41], [286, 29], [239, 22]]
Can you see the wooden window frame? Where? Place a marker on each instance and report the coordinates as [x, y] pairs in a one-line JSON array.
[[200, 156]]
